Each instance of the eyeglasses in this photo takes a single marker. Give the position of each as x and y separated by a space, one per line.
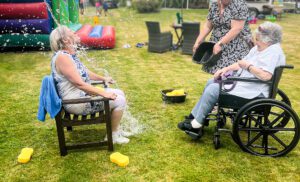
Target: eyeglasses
263 31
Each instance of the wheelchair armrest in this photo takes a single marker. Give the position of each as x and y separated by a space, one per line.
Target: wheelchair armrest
244 79
287 66
97 82
84 100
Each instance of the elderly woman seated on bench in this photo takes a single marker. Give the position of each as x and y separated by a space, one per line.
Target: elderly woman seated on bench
73 81
260 62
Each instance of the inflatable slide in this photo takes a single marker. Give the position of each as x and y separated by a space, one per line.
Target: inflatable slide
28 24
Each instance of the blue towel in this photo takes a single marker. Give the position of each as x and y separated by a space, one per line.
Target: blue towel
49 99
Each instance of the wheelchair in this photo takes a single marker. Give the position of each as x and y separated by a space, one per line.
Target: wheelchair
260 126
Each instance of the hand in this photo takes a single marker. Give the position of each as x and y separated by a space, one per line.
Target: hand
196 45
219 73
217 48
243 64
109 95
109 80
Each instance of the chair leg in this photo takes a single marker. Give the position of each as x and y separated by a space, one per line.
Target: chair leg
108 126
69 128
61 138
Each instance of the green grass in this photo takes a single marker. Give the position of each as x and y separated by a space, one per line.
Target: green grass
161 152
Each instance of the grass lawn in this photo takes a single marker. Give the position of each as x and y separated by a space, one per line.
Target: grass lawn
161 152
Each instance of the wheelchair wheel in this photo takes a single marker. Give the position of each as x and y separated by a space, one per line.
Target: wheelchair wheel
262 134
216 141
281 96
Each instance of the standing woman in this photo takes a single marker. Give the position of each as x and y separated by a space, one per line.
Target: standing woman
227 19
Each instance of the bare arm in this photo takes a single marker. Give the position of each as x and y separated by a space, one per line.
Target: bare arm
260 74
94 76
222 71
236 27
257 72
66 67
203 34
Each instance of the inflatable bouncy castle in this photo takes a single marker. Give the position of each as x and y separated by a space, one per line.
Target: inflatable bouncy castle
24 23
28 23
98 35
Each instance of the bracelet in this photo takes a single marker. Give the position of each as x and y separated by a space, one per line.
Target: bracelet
220 44
248 68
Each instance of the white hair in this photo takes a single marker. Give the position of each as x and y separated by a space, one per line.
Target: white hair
270 33
57 36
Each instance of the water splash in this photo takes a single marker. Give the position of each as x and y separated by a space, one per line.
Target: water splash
129 122
51 13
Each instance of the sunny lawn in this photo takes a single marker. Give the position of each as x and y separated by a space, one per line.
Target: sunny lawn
161 152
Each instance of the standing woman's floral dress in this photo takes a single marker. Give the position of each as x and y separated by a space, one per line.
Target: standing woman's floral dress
237 48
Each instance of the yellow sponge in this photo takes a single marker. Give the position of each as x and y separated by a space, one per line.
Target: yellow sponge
178 92
119 159
25 155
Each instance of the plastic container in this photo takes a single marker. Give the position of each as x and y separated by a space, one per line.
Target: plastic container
204 54
172 99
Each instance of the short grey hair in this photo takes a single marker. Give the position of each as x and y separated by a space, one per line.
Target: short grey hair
270 33
56 38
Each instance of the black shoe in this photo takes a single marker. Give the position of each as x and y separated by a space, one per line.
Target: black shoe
184 125
189 116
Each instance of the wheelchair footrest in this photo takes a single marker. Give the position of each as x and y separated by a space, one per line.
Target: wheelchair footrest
195 135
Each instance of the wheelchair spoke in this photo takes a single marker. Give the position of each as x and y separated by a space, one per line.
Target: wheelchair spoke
249 132
274 113
254 139
282 129
278 140
266 115
254 119
249 129
265 143
277 119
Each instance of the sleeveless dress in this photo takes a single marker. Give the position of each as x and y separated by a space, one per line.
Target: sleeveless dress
67 90
237 48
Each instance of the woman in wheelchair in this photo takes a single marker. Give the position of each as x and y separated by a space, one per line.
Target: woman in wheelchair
260 62
73 80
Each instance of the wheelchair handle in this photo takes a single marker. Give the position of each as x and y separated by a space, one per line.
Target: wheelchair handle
288 66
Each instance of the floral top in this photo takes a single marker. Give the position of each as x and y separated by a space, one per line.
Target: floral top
67 90
237 48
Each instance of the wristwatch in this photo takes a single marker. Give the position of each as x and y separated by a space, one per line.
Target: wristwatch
220 44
